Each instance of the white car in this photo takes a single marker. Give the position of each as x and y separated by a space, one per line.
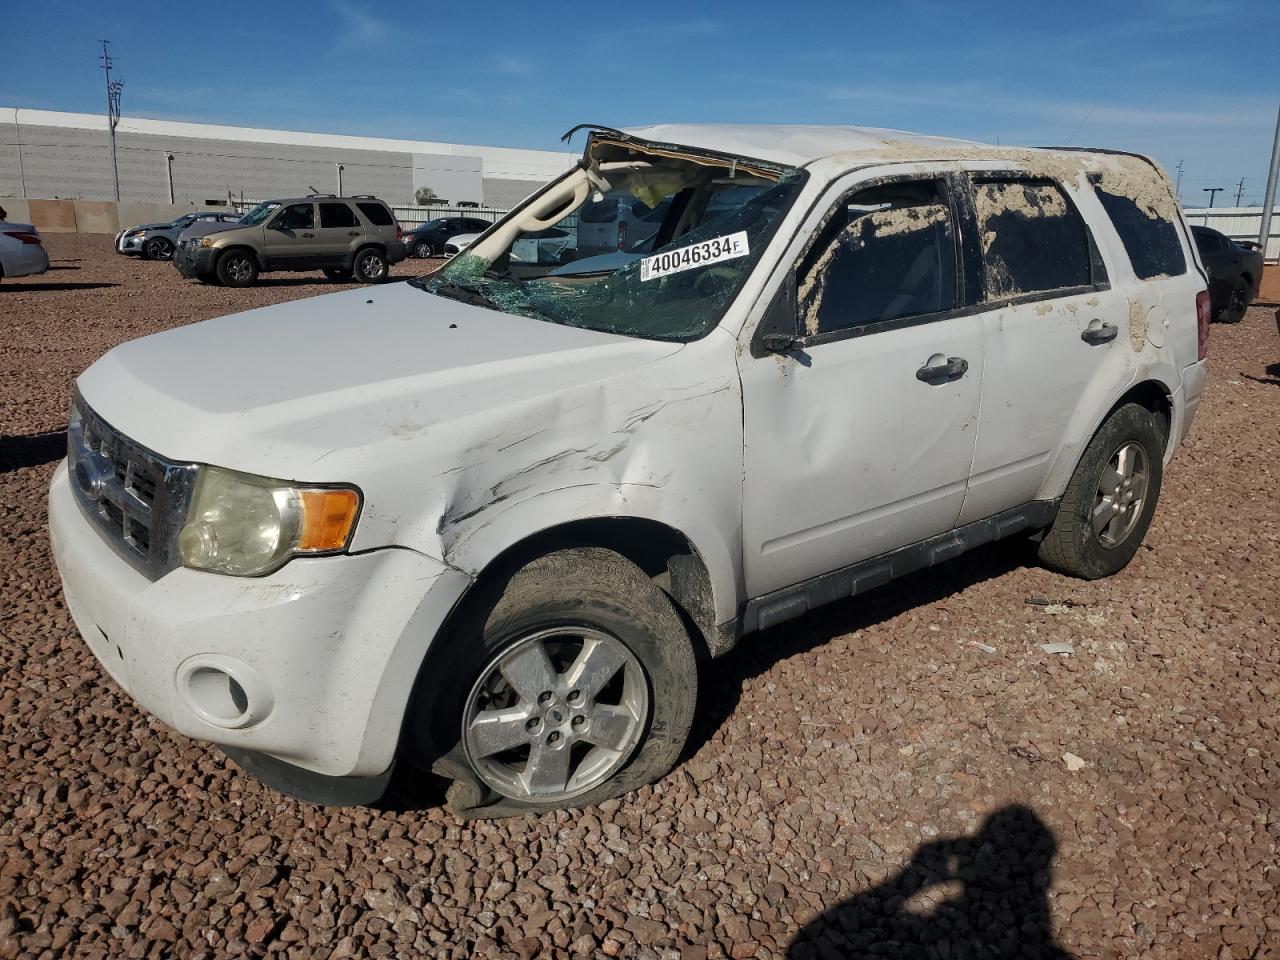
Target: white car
500 532
455 245
22 253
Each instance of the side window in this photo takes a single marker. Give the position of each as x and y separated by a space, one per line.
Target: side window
1032 238
297 216
887 252
1145 224
337 215
378 215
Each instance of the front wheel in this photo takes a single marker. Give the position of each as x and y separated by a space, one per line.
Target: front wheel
237 268
370 266
157 248
572 682
1111 498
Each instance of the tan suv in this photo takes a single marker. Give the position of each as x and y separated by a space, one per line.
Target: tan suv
346 237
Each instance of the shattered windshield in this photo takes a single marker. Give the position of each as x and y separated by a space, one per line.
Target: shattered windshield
647 246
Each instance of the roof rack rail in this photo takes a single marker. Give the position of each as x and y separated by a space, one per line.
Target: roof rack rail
363 196
322 195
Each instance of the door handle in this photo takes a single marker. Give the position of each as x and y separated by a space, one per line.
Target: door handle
1098 333
353 233
941 369
308 234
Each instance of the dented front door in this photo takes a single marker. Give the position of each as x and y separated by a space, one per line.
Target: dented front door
859 440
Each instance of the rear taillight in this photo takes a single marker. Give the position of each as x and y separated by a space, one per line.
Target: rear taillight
399 232
622 235
1202 322
31 238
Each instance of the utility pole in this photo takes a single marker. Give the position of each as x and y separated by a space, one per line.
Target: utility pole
340 167
1239 191
168 162
1269 198
1177 187
114 89
1212 192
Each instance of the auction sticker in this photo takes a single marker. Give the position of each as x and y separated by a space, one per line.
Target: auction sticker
698 255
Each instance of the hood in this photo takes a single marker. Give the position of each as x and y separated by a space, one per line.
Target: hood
274 390
202 228
148 226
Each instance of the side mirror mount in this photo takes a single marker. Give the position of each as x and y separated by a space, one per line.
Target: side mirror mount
778 342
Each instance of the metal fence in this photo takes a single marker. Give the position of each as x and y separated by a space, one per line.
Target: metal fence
1239 223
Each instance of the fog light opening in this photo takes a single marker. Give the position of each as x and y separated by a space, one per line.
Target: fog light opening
217 694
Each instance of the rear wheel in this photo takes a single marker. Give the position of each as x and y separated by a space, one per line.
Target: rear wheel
370 266
1111 498
237 268
422 249
1237 302
572 682
157 248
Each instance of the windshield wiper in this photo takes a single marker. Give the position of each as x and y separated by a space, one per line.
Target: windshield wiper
455 291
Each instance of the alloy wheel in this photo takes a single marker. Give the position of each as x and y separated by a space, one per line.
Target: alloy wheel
1121 494
556 714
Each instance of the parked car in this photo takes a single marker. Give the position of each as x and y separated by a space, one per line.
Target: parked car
614 220
22 252
456 245
346 237
494 522
428 239
157 241
1235 272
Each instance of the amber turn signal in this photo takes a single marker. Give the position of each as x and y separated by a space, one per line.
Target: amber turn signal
328 517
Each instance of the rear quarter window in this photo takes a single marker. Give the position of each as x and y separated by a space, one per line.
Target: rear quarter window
377 214
1145 226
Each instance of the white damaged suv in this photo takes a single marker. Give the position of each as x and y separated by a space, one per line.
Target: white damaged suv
494 521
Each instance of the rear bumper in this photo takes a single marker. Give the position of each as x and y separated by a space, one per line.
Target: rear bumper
396 251
26 260
1193 378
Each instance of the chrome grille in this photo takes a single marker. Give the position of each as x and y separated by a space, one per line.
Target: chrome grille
135 498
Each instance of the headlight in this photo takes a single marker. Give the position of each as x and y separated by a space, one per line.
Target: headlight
140 234
206 241
247 526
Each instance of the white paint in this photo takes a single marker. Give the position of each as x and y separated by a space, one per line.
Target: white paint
468 429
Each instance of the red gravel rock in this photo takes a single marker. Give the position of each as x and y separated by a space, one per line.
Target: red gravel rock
801 825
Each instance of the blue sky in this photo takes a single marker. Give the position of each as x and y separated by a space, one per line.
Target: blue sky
1180 80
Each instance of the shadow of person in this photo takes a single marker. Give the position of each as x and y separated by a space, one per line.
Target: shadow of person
959 898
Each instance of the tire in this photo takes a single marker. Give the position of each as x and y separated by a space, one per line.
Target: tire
237 268
370 265
338 274
559 603
1074 545
157 248
1237 302
422 249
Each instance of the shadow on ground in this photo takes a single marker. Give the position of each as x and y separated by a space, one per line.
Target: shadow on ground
959 897
8 287
34 450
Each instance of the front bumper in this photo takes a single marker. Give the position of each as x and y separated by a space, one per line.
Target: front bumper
192 260
131 246
325 651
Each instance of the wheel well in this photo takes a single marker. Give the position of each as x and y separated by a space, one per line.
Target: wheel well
663 553
1155 397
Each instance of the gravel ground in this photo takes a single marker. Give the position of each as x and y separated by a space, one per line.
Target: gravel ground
908 768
